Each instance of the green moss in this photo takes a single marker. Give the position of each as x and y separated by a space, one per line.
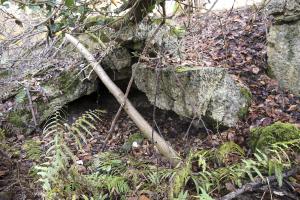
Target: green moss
243 112
19 118
68 82
247 94
5 73
270 72
181 69
263 137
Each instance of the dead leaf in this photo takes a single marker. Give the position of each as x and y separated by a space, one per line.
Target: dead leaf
3 172
143 197
230 187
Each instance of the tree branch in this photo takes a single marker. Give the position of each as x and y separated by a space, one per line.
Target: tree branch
251 186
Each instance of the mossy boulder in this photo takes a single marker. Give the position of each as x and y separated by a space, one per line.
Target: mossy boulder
56 91
263 137
195 92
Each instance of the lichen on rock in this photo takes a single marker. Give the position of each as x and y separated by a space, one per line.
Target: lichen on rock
283 44
194 92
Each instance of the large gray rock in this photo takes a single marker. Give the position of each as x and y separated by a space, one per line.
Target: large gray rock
161 39
284 44
189 92
284 55
284 10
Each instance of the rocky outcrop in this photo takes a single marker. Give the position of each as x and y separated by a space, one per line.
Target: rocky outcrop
160 38
117 63
283 44
195 92
284 10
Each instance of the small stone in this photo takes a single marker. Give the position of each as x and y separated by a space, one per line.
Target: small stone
79 162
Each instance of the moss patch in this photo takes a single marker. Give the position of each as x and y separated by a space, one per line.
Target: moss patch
181 69
243 112
247 94
5 73
263 137
270 72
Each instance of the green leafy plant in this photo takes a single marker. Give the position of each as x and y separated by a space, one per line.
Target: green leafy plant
271 160
263 137
33 149
228 149
61 170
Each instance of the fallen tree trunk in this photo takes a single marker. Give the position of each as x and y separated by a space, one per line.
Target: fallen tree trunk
163 147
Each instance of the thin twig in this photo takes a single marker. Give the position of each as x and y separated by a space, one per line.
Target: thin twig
30 105
253 185
110 131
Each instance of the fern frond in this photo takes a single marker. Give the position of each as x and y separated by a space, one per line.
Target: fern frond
227 149
33 149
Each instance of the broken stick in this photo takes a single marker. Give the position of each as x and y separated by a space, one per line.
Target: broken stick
163 147
251 186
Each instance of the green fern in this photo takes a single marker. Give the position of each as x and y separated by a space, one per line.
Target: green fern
20 97
108 163
60 153
227 149
272 160
33 149
183 195
2 135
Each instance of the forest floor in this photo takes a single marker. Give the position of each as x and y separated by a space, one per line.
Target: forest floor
235 40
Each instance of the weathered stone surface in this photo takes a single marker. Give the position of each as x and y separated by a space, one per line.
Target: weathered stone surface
284 55
50 91
118 63
284 44
189 92
117 59
284 10
162 38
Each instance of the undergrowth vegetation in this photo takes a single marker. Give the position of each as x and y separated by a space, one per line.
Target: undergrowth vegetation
111 175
